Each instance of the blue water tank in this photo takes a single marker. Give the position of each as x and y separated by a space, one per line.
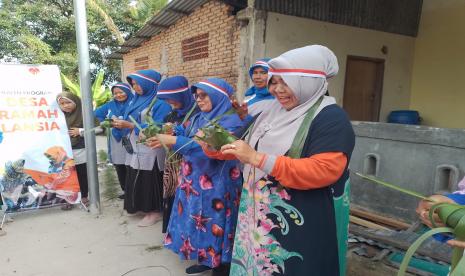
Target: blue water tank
409 117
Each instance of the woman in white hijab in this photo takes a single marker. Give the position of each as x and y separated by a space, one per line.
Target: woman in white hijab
296 161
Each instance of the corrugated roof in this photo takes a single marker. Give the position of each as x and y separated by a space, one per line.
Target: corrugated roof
166 17
393 16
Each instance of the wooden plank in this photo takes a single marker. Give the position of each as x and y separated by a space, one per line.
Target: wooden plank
397 240
379 219
367 223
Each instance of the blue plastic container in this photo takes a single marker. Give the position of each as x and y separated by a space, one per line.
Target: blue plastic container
409 117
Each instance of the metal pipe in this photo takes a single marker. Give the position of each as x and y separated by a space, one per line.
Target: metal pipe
87 110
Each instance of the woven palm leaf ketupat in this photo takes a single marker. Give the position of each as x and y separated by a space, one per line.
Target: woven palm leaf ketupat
450 214
216 136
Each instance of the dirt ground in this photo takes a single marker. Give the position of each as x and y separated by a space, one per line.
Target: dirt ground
55 242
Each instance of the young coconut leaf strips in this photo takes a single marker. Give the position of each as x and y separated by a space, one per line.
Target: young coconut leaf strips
450 214
216 136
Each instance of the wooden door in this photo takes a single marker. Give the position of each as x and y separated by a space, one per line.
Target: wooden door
363 88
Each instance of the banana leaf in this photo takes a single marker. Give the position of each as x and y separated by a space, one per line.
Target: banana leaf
97 85
451 214
152 129
73 88
100 93
216 136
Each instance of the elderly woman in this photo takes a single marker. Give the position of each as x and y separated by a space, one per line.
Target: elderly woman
114 109
258 96
204 216
144 177
296 160
177 93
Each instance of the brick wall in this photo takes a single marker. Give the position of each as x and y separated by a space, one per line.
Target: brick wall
164 51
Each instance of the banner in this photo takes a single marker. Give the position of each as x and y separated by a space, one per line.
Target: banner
36 160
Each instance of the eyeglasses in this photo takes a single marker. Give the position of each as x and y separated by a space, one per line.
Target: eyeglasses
200 96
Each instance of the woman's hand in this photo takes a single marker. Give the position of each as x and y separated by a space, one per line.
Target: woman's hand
241 109
153 143
202 143
160 140
117 123
456 243
424 206
245 153
73 132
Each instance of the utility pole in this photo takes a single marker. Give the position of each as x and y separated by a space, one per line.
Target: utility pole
88 112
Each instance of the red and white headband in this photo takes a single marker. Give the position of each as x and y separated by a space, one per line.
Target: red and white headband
144 77
215 87
298 72
261 63
179 90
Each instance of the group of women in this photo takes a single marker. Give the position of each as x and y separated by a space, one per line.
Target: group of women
262 205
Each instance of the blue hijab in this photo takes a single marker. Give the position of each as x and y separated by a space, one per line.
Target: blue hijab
259 93
148 80
218 91
177 89
115 108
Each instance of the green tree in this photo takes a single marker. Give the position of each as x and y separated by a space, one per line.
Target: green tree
42 32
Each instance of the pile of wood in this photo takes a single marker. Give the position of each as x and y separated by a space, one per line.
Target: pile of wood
375 221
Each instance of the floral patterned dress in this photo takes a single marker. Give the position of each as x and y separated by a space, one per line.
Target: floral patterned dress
284 231
204 213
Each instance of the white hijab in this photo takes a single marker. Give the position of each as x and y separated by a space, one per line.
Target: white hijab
305 70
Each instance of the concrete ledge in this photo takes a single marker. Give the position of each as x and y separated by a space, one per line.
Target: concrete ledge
411 133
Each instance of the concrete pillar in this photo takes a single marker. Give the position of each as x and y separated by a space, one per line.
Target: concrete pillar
252 44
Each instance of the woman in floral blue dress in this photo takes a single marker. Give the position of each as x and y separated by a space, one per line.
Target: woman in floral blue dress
204 214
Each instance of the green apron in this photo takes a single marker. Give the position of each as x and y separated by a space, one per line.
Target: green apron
342 210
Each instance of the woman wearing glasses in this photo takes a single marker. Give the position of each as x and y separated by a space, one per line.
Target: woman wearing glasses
204 214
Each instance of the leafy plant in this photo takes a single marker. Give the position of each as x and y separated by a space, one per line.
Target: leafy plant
111 187
102 156
100 93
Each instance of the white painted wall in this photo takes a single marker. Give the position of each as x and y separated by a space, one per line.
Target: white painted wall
285 32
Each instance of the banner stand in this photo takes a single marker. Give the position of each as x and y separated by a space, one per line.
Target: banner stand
7 213
37 165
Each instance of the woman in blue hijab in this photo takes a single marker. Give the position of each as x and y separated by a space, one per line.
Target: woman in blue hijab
257 96
144 183
205 207
122 96
176 92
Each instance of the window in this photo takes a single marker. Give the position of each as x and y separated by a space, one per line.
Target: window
195 47
141 63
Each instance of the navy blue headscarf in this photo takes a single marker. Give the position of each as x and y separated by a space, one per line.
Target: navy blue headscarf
177 89
148 80
218 91
259 93
115 108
